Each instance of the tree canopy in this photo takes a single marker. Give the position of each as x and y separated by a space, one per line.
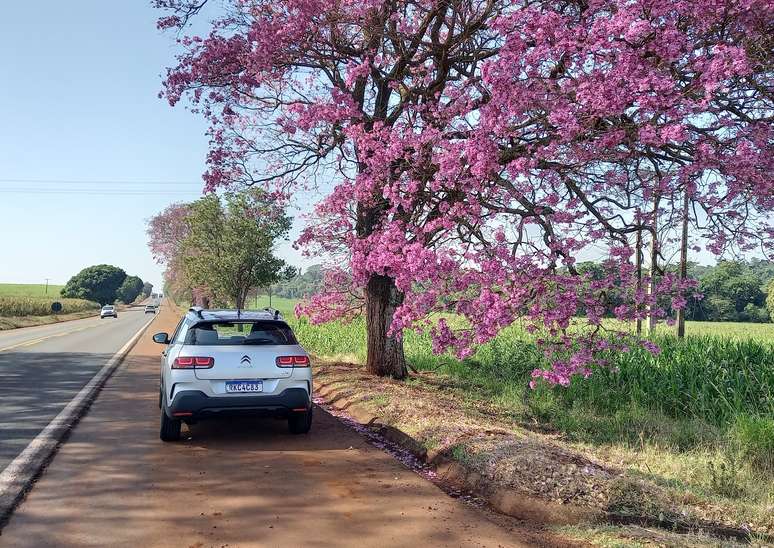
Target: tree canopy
479 147
147 289
98 283
220 248
130 289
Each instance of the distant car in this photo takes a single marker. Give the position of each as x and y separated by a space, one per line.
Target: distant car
150 309
221 363
108 311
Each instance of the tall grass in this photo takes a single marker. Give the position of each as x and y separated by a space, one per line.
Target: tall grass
708 380
41 306
711 378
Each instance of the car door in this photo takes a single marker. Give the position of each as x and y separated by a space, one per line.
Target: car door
170 352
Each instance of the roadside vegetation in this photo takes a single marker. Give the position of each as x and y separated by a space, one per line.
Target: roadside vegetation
476 150
41 306
217 249
104 284
696 419
25 305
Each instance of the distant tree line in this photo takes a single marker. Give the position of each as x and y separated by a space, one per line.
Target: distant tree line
304 284
105 284
731 291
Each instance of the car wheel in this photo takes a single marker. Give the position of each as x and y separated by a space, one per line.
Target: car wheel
170 428
300 423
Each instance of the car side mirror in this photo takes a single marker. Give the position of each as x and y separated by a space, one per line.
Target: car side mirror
161 338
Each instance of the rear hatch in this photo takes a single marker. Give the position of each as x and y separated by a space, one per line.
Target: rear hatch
242 349
244 361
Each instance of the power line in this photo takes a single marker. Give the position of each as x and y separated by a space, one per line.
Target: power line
96 182
98 192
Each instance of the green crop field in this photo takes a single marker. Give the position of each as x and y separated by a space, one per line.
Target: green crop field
25 300
29 290
694 392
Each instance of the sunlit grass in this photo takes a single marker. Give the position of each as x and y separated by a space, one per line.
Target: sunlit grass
29 290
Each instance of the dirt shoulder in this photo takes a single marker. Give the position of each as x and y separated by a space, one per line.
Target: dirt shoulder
237 483
521 473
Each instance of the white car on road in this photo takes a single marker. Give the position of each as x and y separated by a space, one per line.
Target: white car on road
108 311
222 363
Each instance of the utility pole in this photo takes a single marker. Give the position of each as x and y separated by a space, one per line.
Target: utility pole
654 251
683 262
47 279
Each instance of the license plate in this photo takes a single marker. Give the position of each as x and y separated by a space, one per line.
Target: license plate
244 386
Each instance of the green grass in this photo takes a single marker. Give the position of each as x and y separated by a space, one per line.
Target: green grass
690 394
22 300
697 418
285 306
710 389
29 290
731 330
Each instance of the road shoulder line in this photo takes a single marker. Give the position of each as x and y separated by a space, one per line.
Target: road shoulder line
17 478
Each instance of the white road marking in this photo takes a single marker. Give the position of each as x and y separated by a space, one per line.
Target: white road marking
16 477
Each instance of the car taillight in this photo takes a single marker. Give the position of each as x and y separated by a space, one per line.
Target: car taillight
193 362
293 361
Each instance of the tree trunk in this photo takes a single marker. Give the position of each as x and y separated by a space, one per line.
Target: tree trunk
638 266
683 263
385 353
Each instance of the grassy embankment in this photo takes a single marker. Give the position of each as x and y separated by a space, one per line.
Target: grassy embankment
24 305
698 417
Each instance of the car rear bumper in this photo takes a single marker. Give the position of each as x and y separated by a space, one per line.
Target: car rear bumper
194 404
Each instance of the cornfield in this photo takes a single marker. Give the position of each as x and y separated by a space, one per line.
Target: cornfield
41 306
713 378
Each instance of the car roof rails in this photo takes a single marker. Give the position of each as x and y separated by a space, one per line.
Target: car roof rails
277 315
197 310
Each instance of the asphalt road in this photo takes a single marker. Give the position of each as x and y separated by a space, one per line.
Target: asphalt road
235 483
42 368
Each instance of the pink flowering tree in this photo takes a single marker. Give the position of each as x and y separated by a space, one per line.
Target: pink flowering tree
167 232
473 150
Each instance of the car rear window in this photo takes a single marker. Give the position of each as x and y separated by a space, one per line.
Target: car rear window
240 333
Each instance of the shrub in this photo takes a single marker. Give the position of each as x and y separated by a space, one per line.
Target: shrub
725 475
754 436
97 283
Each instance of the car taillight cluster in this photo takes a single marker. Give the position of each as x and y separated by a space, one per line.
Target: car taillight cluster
195 362
293 361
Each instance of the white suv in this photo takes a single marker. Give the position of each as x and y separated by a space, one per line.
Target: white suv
222 363
108 311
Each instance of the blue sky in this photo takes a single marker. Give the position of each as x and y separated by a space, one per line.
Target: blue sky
78 103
